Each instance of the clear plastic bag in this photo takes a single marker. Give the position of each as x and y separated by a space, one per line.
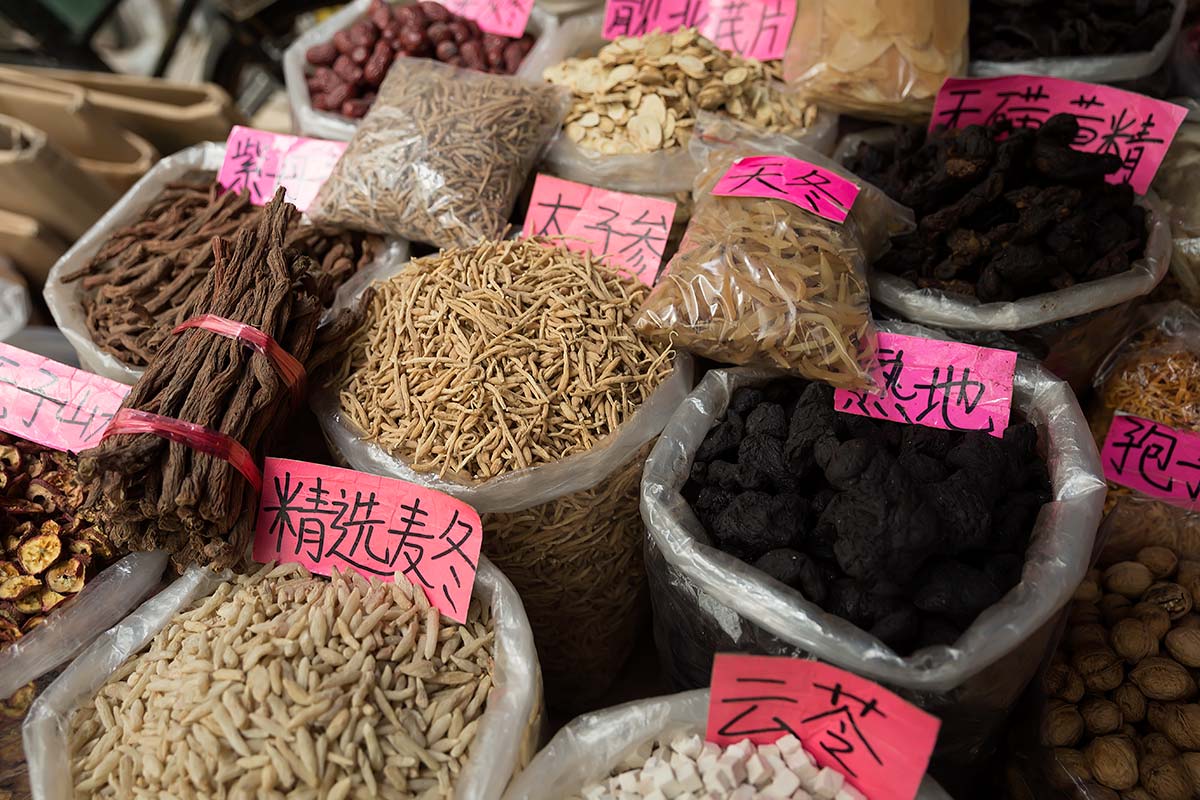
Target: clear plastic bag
706 601
308 121
1176 186
14 301
763 282
508 731
66 299
881 59
661 172
1091 69
442 154
591 745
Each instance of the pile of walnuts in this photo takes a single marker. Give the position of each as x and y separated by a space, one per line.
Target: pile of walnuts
1122 715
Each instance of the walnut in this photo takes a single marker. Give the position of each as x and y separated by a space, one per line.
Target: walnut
1062 726
1087 592
1088 633
1132 640
1192 620
1191 768
1165 778
1155 616
1184 646
1131 702
1060 681
1100 668
1083 613
1161 561
1100 716
1136 793
1128 578
1157 743
1187 570
1163 679
1114 607
1179 721
1067 768
1113 762
1174 598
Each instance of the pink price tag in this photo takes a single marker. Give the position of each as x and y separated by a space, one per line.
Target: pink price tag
261 162
52 404
1154 459
949 385
628 229
326 517
879 742
755 28
824 193
1137 128
501 17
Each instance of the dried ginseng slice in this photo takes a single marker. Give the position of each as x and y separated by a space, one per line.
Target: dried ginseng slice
851 53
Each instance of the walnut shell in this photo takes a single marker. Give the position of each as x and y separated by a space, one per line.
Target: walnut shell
1087 592
1100 668
1136 793
1113 762
1174 598
1100 716
1163 679
1187 570
1165 778
1191 768
1156 743
1180 722
1060 681
1062 725
1114 607
1128 578
1081 636
1131 701
1184 646
1155 617
1067 768
1161 561
1083 613
1132 640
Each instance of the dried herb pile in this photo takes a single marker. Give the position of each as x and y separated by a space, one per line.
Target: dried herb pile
1005 219
158 495
138 285
1015 30
907 532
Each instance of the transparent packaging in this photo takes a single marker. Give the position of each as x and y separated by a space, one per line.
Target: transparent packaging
1176 186
14 300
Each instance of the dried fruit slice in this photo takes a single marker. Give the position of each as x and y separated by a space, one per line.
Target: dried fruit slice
8 569
29 604
68 576
31 623
17 587
9 632
50 599
35 555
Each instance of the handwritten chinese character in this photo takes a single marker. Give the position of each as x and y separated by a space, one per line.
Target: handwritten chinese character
250 173
941 397
1154 447
842 741
454 549
891 365
551 226
631 17
758 692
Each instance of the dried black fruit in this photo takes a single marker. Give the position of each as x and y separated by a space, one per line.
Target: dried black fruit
1016 30
768 419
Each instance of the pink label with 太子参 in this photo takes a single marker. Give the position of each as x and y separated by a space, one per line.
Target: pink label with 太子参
260 162
755 28
628 230
52 404
327 517
812 188
949 385
1154 459
501 17
1136 128
879 742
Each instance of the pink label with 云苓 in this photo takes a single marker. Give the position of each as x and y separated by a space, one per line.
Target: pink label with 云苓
628 230
1136 128
52 404
812 188
949 385
327 517
501 17
1154 459
260 162
755 28
879 742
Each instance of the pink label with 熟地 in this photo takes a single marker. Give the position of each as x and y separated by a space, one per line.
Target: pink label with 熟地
821 191
628 230
259 162
950 385
1136 128
1154 459
52 404
755 28
501 17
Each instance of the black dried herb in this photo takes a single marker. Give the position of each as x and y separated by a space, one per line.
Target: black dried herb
1015 30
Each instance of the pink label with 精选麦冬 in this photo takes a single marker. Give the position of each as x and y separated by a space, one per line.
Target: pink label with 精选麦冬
259 162
501 17
52 404
1154 459
1136 128
330 518
812 188
758 29
628 230
950 385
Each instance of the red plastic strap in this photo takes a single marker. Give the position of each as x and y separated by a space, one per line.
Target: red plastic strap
291 370
197 437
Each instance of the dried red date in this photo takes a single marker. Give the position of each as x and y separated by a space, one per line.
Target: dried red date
435 12
377 66
439 32
338 95
347 70
343 42
513 56
321 55
320 101
363 34
360 55
355 108
446 51
414 40
380 16
459 31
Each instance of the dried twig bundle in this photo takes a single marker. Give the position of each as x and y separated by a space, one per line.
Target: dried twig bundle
283 683
156 494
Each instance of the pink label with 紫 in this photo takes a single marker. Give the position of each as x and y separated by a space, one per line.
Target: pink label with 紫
1137 128
879 742
813 188
52 404
260 162
628 230
330 518
949 385
755 28
501 17
1154 459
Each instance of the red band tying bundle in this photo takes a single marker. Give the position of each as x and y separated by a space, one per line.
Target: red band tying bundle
291 370
197 437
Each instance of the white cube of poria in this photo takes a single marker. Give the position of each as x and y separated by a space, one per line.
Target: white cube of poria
827 783
594 792
638 756
709 748
706 761
689 746
801 762
735 764
743 793
767 750
848 792
783 785
800 794
741 750
628 781
721 779
688 777
654 795
758 771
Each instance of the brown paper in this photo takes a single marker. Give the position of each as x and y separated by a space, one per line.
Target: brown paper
30 245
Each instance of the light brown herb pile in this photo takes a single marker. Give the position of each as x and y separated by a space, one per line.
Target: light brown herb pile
284 684
479 361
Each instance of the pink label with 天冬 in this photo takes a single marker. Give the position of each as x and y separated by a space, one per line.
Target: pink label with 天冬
1136 128
949 385
327 517
52 404
879 742
628 230
1154 459
755 28
812 188
260 162
501 17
